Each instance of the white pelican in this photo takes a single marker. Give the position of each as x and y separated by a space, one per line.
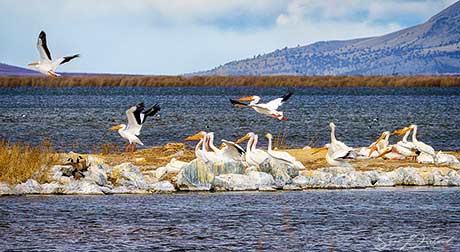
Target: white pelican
254 157
46 65
269 108
338 157
403 148
136 118
338 153
200 148
421 146
380 145
230 151
283 156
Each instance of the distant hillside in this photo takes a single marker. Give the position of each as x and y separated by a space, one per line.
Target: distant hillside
430 48
9 70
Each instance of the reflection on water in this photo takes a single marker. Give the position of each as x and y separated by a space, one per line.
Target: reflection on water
78 117
414 219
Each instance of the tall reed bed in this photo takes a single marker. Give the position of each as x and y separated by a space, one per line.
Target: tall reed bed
257 81
19 162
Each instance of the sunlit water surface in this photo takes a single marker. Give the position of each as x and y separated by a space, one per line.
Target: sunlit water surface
394 219
77 118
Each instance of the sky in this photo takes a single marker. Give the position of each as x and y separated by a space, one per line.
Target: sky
170 37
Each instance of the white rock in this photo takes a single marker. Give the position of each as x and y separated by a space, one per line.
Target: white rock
300 182
29 187
443 158
51 188
234 182
163 186
385 180
5 189
401 176
174 166
82 187
261 179
130 176
97 174
160 172
453 178
56 173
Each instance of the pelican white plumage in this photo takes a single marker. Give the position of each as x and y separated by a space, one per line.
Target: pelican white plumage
200 148
403 147
338 153
380 145
136 118
46 65
421 146
283 156
230 151
270 108
253 156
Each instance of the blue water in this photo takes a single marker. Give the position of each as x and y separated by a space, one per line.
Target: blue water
77 118
394 219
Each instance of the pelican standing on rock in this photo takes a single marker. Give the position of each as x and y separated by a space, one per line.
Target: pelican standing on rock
253 157
270 108
338 153
421 146
46 65
136 118
282 156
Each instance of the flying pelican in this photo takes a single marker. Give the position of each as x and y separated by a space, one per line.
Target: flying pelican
380 144
136 118
421 146
46 65
270 108
254 157
283 156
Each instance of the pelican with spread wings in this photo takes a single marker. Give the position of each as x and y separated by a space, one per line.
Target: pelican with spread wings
270 108
46 65
136 118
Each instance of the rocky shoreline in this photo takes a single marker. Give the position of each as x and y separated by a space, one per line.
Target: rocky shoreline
100 178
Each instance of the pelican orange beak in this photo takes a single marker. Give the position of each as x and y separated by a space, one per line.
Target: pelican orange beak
248 98
246 137
319 150
373 148
33 63
402 131
198 136
116 127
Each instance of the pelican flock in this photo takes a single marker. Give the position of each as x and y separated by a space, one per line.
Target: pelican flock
136 117
270 108
46 65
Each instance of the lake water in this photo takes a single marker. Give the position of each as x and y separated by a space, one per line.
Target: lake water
393 219
77 118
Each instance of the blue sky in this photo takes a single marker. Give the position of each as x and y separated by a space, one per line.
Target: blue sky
182 36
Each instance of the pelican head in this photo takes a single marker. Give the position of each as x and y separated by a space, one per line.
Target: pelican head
253 99
245 137
198 136
269 136
413 126
332 125
117 127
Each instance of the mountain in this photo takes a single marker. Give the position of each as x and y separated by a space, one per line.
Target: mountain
9 70
429 48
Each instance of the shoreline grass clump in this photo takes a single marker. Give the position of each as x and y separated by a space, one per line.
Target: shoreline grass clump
20 162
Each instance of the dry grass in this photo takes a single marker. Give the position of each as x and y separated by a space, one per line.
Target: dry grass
259 81
19 162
